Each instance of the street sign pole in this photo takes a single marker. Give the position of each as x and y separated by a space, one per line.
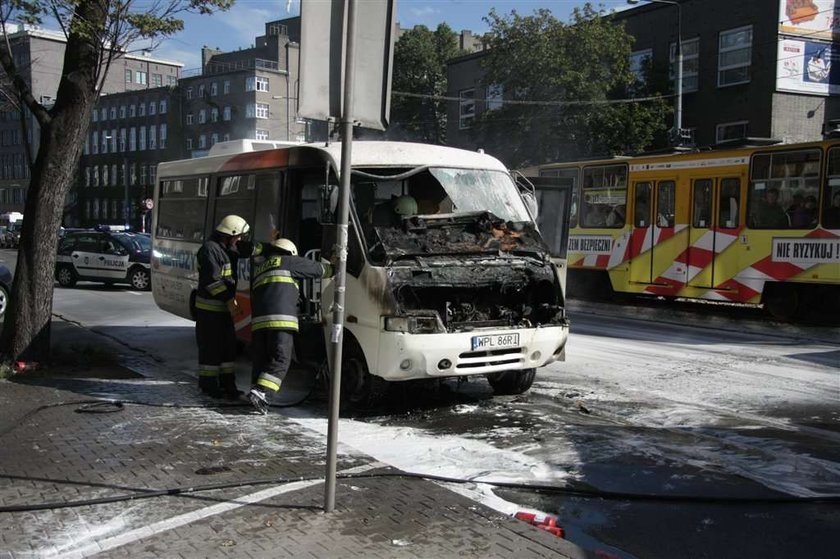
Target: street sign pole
337 334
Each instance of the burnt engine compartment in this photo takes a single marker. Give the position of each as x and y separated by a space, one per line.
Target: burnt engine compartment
476 293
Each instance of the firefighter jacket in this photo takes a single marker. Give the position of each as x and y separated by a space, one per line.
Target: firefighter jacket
217 275
274 288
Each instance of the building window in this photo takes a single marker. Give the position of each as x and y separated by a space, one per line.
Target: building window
170 80
114 175
189 93
214 89
202 116
731 130
142 77
129 77
122 111
142 138
95 175
262 134
142 174
691 64
214 138
638 63
466 108
132 111
260 110
226 113
153 137
201 91
214 115
734 56
94 142
162 107
103 114
157 80
95 115
123 136
255 83
152 174
202 141
132 139
113 140
152 108
162 143
141 109
189 119
104 141
495 94
227 87
189 143
105 175
133 174
226 137
87 176
113 113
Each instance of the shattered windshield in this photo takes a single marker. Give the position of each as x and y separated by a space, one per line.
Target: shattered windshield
435 210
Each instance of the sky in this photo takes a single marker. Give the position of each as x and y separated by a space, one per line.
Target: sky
238 27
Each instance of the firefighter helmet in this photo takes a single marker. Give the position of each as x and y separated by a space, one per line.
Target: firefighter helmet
405 206
233 225
286 245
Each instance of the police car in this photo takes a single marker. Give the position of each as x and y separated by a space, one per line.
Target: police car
105 255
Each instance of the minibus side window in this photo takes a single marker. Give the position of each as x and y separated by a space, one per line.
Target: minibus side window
182 207
235 196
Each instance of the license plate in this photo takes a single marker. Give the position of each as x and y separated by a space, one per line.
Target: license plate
495 341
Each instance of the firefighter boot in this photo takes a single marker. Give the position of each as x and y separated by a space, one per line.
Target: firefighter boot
257 398
209 385
227 387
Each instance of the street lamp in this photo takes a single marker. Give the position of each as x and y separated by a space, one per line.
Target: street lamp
676 133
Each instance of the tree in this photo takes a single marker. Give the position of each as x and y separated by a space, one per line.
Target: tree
560 84
420 58
97 32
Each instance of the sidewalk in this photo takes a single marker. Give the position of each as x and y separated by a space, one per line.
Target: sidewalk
58 455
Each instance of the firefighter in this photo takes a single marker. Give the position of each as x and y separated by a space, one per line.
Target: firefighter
274 302
216 308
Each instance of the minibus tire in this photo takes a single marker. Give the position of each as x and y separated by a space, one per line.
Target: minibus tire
359 388
509 383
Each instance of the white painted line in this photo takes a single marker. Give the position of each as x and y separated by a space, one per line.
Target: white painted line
131 536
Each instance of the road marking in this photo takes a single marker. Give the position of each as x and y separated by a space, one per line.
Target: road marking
113 542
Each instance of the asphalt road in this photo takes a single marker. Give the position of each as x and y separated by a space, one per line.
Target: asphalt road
646 403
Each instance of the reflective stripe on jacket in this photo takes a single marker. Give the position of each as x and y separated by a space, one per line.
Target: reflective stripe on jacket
274 289
216 276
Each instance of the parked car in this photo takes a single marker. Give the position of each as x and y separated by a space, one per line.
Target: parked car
109 257
5 288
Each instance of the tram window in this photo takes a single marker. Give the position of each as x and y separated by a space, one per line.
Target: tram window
665 203
730 201
182 206
641 207
831 195
784 188
235 196
604 196
702 208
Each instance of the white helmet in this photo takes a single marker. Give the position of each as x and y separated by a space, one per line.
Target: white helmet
286 245
405 206
233 225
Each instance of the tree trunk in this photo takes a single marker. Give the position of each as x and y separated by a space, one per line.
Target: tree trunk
26 332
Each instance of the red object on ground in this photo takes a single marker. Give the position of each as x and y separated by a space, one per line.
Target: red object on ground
542 521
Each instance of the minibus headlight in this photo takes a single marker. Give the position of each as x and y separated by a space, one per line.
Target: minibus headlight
413 324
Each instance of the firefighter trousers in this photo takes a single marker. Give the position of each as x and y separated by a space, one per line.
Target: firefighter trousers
215 335
272 350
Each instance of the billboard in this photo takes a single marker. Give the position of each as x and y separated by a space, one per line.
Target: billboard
814 19
808 67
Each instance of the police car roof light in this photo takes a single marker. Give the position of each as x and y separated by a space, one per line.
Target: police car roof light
114 228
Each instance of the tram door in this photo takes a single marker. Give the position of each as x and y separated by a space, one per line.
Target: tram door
654 207
713 226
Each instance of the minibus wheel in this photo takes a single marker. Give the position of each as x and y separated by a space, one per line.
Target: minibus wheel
359 388
512 382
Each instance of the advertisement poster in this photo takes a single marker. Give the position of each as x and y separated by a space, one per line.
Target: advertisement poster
815 19
808 67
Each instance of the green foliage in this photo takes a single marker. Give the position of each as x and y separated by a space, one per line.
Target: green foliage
565 76
420 68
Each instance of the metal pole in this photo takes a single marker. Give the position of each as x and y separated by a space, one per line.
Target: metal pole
126 212
679 79
337 334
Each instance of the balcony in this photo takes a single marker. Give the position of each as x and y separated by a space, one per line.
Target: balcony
213 68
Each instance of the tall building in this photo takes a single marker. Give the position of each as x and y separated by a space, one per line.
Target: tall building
753 68
243 94
39 56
